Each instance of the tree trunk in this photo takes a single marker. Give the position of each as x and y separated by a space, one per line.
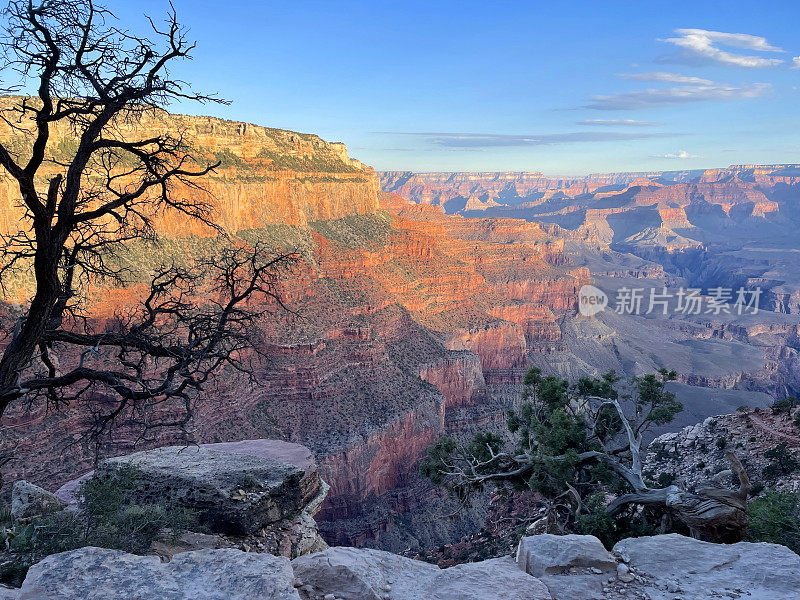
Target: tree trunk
712 513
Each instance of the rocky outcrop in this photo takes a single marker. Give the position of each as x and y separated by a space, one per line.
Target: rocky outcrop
349 573
682 567
696 453
340 573
263 494
571 566
28 501
232 493
664 567
100 574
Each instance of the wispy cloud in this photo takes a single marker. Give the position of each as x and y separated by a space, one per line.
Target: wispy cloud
667 78
796 62
684 94
700 45
617 123
495 140
680 154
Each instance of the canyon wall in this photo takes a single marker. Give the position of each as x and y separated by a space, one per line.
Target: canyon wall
408 323
266 176
393 343
441 188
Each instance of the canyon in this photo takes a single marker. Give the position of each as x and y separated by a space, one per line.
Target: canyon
740 221
413 318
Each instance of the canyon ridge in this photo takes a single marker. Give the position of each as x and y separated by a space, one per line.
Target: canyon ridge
420 300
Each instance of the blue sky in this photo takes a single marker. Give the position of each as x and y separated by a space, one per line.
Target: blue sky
564 87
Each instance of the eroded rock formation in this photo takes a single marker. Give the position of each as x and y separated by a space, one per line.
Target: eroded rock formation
412 323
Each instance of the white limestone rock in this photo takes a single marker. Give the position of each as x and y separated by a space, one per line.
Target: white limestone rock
364 574
28 500
549 554
7 593
101 574
701 570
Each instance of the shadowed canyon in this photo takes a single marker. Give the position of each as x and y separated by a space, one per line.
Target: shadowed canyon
420 300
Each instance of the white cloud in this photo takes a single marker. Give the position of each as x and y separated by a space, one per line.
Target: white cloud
494 140
667 77
701 44
796 62
680 154
684 94
618 123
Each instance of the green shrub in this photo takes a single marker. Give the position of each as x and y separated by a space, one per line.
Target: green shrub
665 479
784 406
721 442
107 518
775 518
30 543
597 522
783 461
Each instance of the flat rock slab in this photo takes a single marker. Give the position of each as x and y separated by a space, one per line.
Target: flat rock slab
364 574
100 574
693 570
231 492
286 452
548 554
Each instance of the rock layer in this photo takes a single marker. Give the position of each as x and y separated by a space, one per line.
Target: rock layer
232 493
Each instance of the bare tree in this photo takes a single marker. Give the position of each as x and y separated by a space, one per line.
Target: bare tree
85 202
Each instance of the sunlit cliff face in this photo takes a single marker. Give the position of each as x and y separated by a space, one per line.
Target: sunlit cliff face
410 323
402 316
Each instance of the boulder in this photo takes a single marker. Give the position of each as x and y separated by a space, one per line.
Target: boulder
572 586
364 574
7 593
497 578
235 493
694 570
549 554
358 573
100 574
28 500
70 491
287 452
